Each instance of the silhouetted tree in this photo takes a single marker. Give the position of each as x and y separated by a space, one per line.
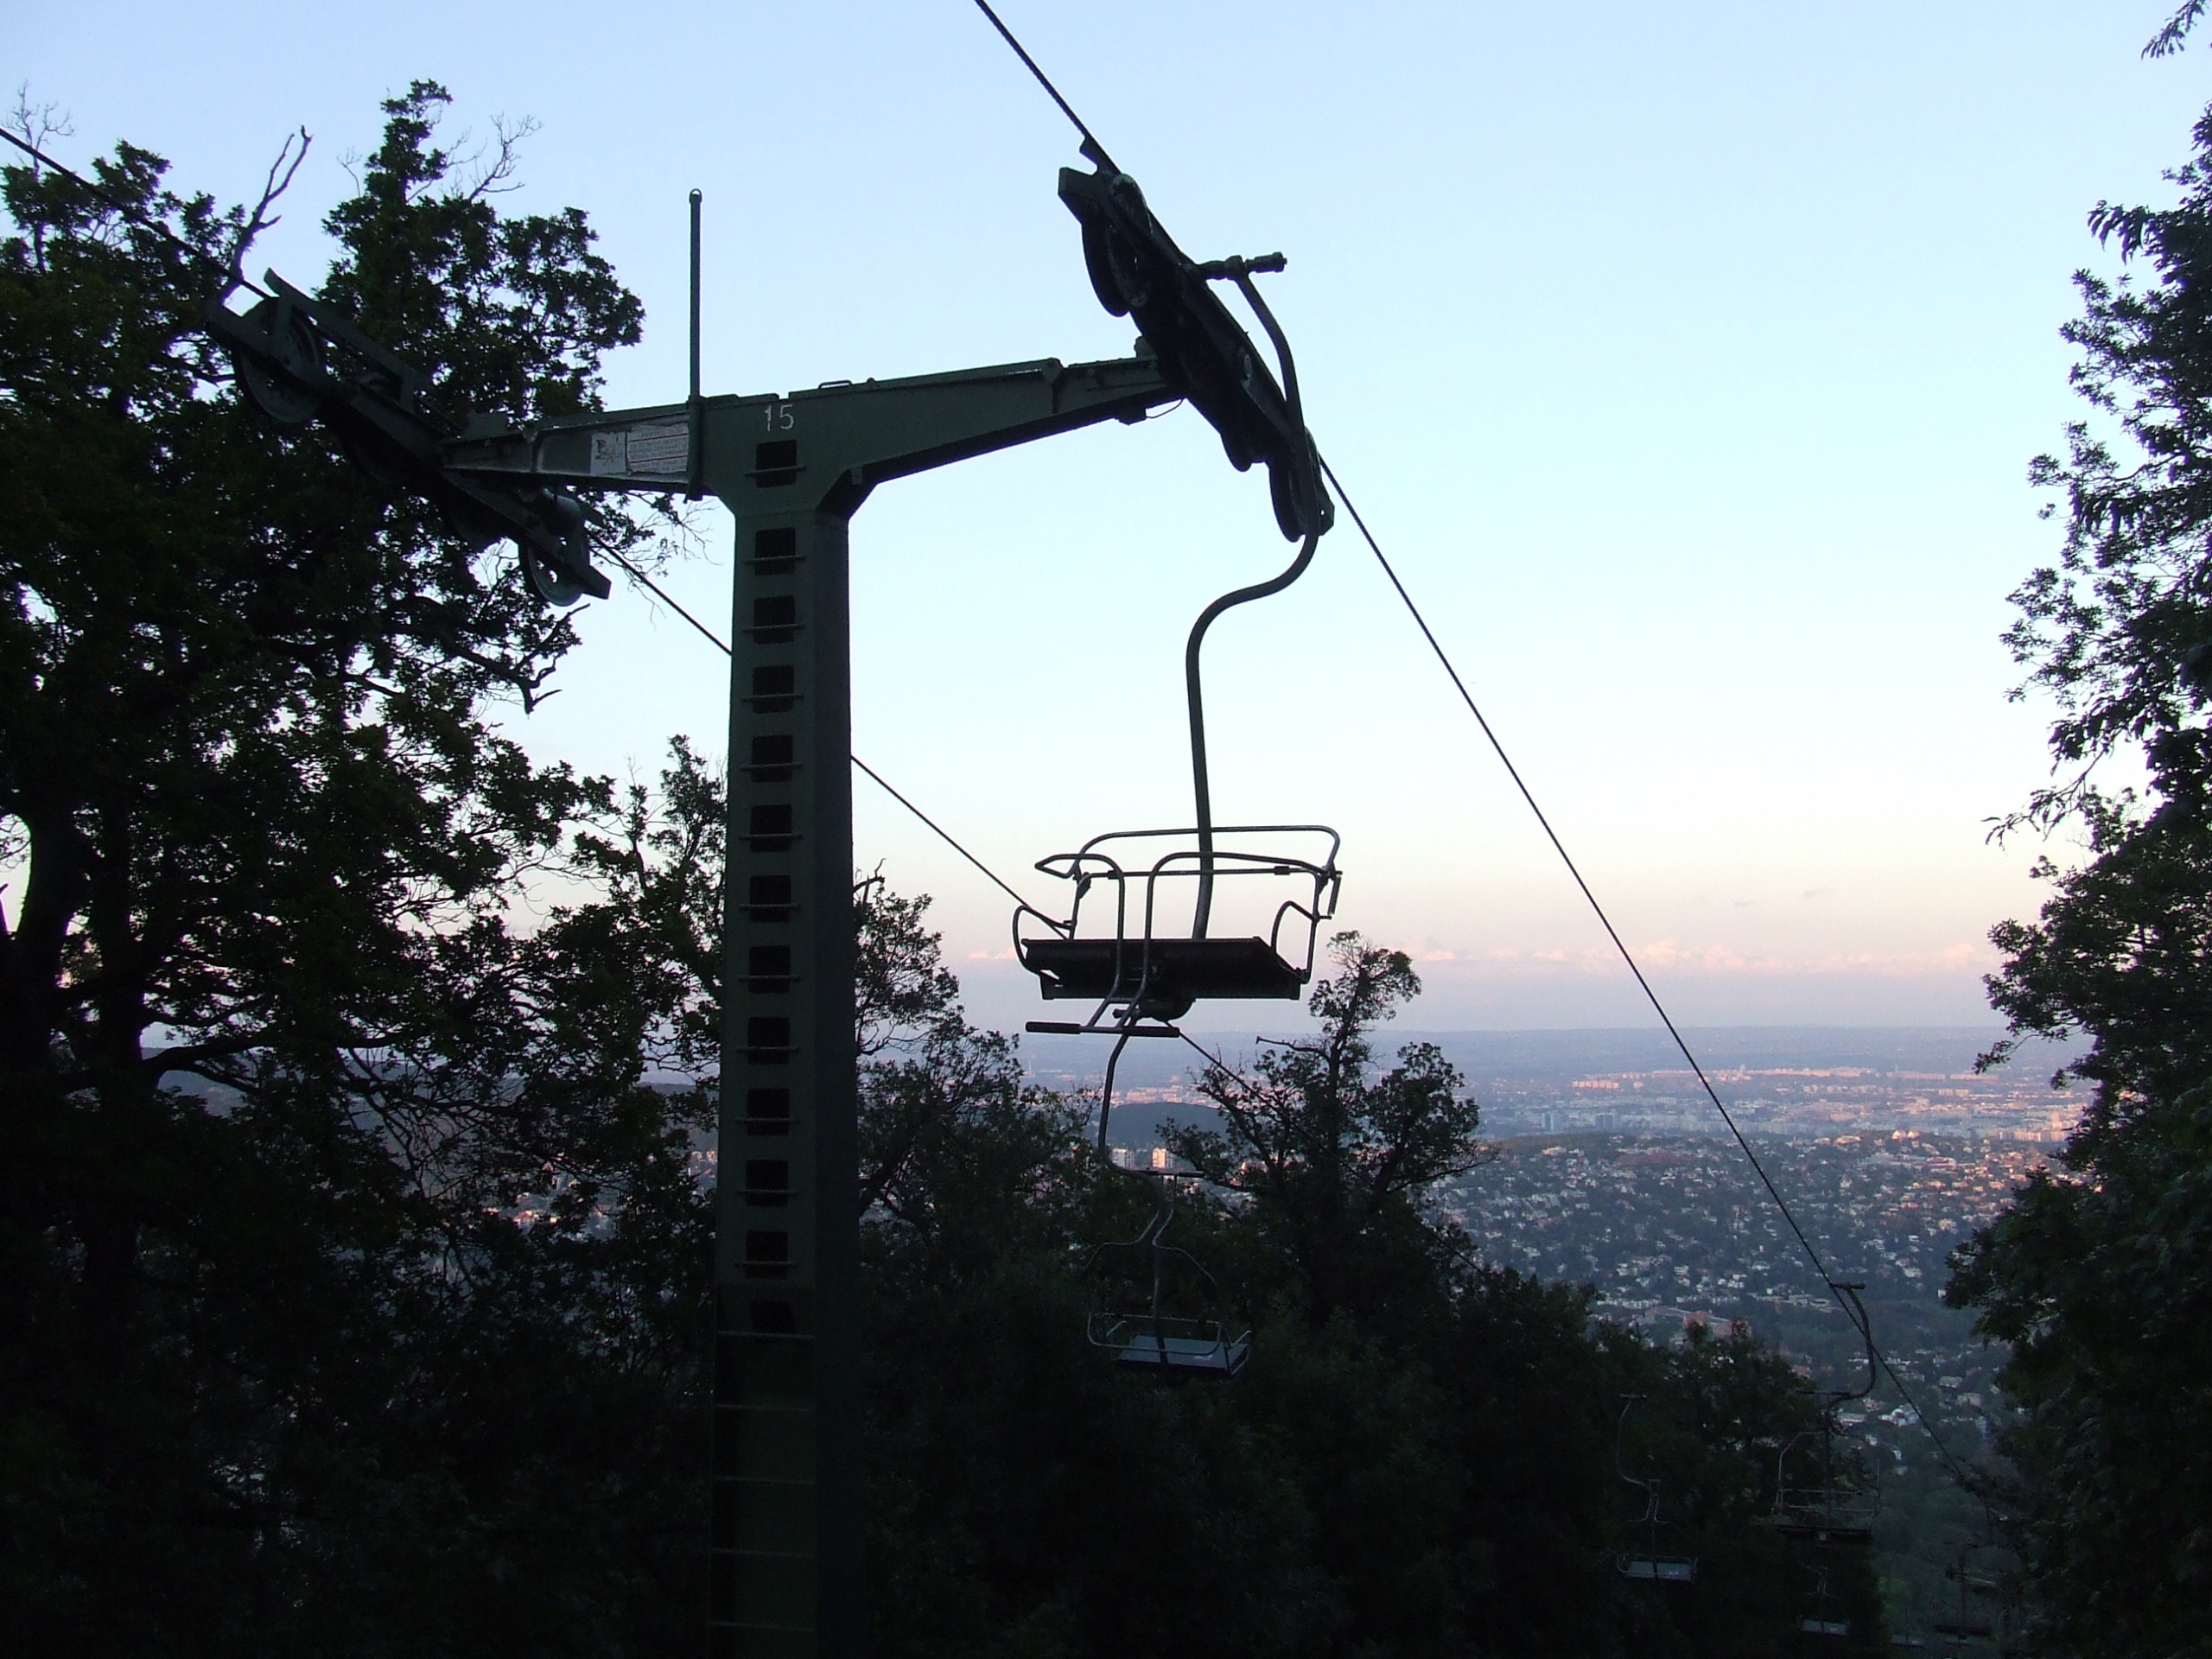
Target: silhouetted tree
329 1317
1335 1159
2099 1274
355 1267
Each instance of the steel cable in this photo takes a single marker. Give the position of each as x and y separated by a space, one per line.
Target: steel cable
1852 1309
716 641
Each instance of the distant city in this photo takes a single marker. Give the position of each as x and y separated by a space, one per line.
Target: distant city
1796 1082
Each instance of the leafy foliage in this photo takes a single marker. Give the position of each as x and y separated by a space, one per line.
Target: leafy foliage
1343 1160
278 1085
2174 32
1419 1458
2100 1286
2099 1274
2120 631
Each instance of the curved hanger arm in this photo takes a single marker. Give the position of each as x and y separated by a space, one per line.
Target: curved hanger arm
1201 785
1864 1322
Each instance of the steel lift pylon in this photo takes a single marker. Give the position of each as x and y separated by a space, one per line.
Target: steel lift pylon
787 1526
787 1517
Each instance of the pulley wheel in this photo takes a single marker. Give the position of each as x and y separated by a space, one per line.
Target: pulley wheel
1290 517
1105 275
284 388
556 587
563 577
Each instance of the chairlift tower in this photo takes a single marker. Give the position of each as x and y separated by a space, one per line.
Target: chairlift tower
787 1518
786 1528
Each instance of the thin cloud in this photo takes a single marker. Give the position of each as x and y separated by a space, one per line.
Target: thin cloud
1680 960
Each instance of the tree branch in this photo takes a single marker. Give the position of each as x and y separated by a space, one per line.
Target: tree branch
185 1057
2168 39
282 172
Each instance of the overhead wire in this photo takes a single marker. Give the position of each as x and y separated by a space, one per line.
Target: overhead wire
665 598
1043 79
636 574
100 192
942 833
1836 1286
1627 957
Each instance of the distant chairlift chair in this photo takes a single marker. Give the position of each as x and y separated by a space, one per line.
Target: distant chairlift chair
1142 978
1198 1342
1828 1512
1817 1623
1648 1565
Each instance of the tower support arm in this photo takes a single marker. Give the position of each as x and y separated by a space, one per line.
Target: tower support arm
823 449
613 450
882 429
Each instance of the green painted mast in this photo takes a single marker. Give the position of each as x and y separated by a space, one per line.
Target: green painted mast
787 1522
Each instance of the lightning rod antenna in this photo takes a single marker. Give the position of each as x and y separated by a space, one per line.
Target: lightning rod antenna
695 293
694 444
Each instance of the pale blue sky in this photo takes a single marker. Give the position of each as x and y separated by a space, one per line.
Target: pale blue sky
1687 358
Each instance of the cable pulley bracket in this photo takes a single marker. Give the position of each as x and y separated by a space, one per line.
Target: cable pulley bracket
1137 270
283 350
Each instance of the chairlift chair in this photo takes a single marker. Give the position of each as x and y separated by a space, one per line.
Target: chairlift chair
1967 1627
1649 1564
1152 1338
1116 948
1818 1622
1825 1514
1828 1512
1658 1569
1143 972
1181 1347
1168 1343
